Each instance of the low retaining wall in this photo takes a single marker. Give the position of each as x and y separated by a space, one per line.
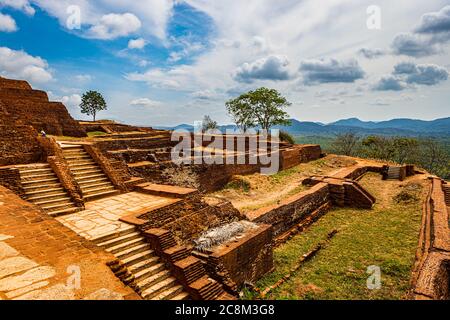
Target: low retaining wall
292 210
431 274
244 260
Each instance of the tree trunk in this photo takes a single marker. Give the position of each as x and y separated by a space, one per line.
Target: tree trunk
94 114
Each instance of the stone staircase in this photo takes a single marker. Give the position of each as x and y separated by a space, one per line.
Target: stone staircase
393 173
92 180
139 267
43 188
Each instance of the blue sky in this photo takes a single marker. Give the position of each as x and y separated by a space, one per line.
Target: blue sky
165 62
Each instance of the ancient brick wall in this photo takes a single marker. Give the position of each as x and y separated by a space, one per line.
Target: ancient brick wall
10 178
292 210
431 274
31 107
18 142
14 84
187 219
246 259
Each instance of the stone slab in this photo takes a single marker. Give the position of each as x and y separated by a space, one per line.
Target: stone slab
14 265
26 279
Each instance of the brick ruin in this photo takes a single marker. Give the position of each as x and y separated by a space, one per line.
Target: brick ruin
129 159
431 275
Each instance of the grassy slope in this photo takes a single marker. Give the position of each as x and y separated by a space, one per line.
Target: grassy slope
385 236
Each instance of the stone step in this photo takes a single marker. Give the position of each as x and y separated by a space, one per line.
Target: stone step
181 296
169 293
99 195
44 191
78 157
27 172
113 235
78 163
84 167
119 240
82 179
82 173
39 182
126 245
158 287
44 197
39 188
141 265
91 190
132 251
93 182
152 281
58 213
38 177
97 185
58 207
137 258
149 271
61 200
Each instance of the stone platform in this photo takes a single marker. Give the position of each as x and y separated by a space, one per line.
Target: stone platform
102 216
40 258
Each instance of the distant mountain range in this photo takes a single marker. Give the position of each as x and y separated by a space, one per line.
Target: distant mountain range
395 127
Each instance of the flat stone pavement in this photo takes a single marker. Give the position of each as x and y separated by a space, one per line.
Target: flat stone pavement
42 259
102 216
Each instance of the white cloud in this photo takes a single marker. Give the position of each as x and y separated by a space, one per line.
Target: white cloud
139 43
21 65
83 77
112 26
23 5
316 71
145 102
153 14
204 95
7 24
73 101
269 68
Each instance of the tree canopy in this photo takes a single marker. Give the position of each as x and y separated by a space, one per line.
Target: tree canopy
209 124
262 107
92 102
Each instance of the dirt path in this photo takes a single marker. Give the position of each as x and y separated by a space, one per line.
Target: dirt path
260 190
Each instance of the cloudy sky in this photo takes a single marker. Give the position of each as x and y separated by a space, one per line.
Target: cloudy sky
165 62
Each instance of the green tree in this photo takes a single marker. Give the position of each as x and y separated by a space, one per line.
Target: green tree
209 124
346 143
406 149
263 107
92 102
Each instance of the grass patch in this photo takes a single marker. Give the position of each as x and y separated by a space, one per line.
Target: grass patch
385 236
96 133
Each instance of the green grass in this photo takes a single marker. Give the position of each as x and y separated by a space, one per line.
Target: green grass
385 236
96 133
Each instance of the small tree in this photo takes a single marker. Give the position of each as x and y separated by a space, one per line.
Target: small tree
241 111
209 124
264 107
92 102
346 143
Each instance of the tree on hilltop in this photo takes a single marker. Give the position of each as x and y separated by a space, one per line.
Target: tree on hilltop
209 124
92 102
263 107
